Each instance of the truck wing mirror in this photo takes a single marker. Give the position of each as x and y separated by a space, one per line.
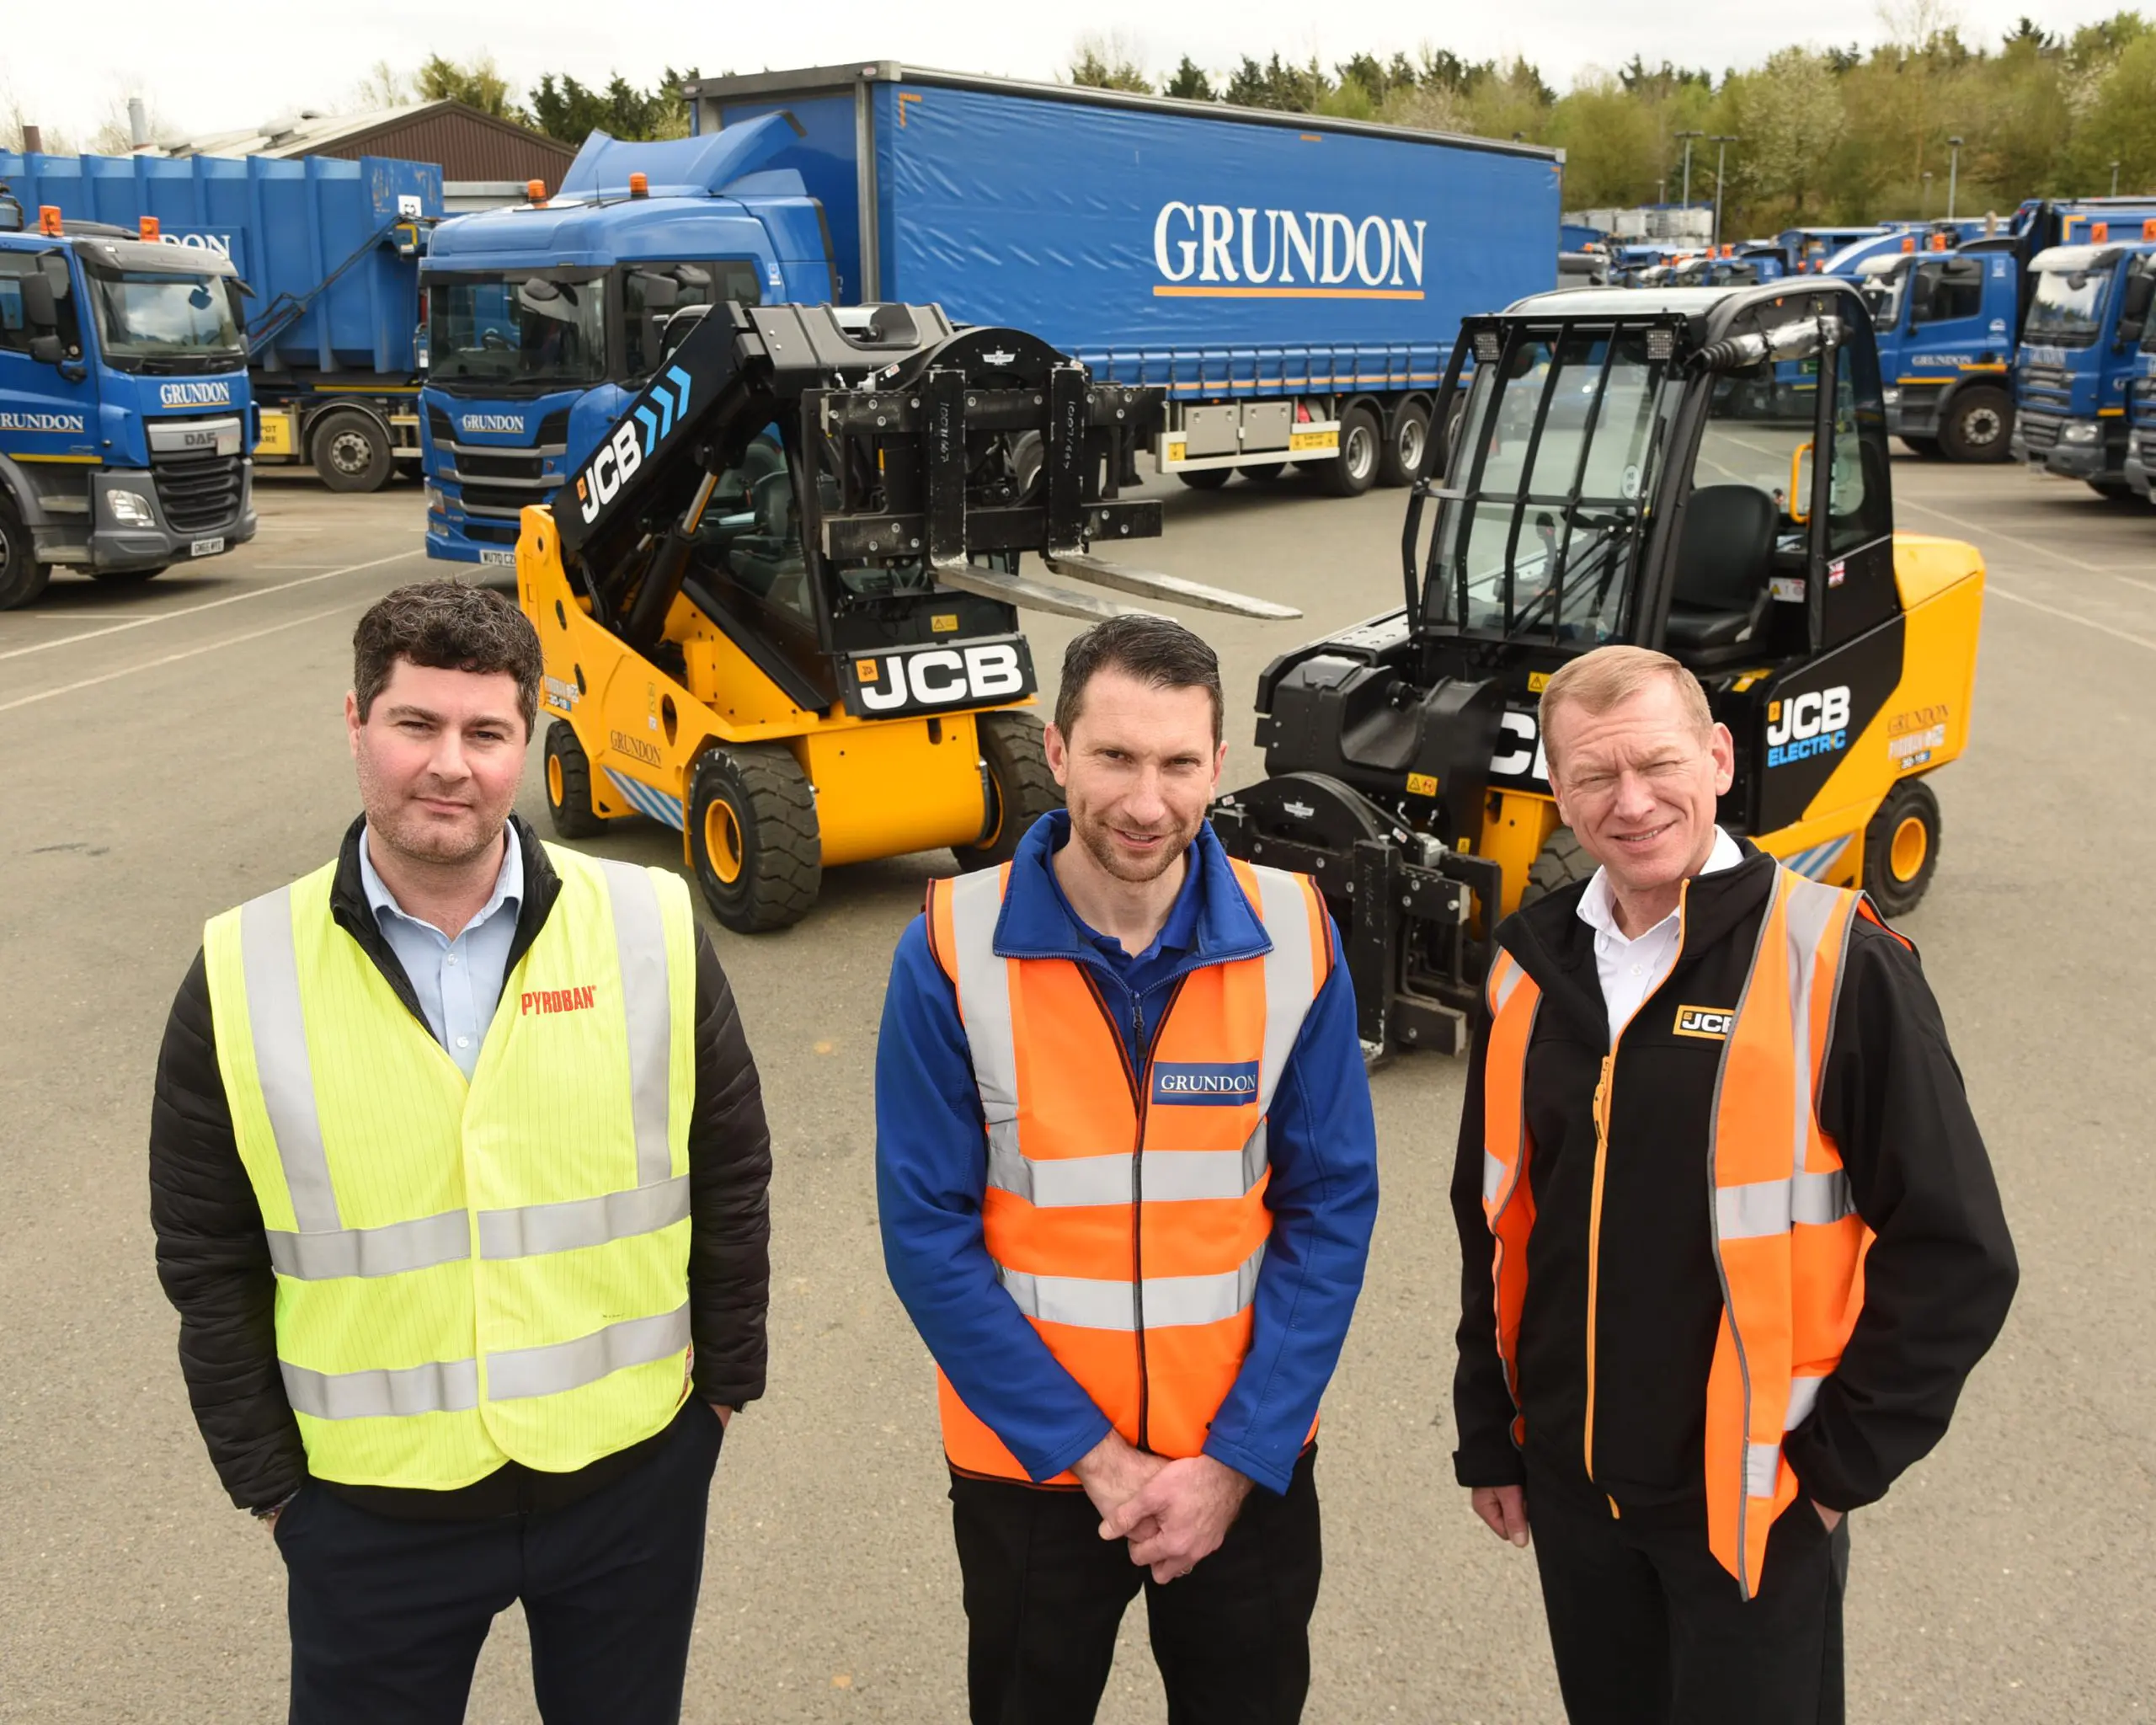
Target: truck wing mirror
47 351
661 293
53 268
40 310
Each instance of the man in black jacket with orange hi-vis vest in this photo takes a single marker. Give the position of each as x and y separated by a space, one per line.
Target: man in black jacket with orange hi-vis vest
1730 1240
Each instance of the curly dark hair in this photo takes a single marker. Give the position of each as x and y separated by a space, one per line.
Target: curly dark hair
1158 651
445 626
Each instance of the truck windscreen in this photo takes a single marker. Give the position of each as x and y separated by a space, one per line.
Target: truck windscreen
2068 307
519 333
154 321
1539 529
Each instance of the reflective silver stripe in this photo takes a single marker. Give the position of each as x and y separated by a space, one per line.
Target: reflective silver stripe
1502 984
984 1004
1810 907
1172 1176
1290 979
640 941
442 1387
1803 1393
373 1251
1763 1466
1170 1301
1178 1176
568 1365
539 1228
269 962
1493 1178
1768 1207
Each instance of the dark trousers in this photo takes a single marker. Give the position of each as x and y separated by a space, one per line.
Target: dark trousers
1648 1629
1044 1595
387 1617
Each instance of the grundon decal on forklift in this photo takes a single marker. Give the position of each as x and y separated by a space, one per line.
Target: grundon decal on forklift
664 405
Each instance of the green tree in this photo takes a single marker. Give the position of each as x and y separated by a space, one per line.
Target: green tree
1613 148
571 111
477 82
2118 125
1791 117
1190 82
1108 63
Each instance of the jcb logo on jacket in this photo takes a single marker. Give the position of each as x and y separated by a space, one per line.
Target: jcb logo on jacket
1125 1211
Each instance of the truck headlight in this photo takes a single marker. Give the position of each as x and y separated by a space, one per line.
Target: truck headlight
1892 397
130 509
2081 431
433 499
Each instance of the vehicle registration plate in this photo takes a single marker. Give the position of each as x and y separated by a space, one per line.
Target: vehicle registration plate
508 558
205 547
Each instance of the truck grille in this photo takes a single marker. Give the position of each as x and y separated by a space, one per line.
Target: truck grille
2039 430
199 492
2045 376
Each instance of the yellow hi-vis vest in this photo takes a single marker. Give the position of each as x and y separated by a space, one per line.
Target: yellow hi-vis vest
470 1274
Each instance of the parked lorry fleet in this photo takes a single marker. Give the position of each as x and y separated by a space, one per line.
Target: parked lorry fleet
124 403
327 252
1294 283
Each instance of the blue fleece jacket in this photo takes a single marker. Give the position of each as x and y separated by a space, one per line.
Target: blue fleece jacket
931 1167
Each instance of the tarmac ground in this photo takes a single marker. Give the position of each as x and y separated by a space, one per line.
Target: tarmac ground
178 748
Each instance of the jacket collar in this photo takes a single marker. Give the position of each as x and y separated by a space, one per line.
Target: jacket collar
1033 924
348 906
1555 946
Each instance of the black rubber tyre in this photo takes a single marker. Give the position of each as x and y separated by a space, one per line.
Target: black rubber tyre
350 450
1204 478
127 578
1563 860
1263 473
1901 848
1354 470
569 785
1020 787
753 837
22 578
1978 424
1927 448
1407 445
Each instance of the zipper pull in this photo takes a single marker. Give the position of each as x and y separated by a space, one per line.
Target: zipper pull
1602 1094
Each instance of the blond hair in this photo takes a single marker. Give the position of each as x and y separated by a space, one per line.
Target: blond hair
1599 680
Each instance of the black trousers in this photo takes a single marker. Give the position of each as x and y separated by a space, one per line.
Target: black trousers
387 1617
1045 1593
1648 1629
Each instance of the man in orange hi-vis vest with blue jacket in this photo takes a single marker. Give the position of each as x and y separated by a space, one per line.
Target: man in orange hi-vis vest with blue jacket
1127 1173
1731 1242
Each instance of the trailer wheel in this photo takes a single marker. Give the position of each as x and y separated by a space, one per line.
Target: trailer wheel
1020 789
569 785
753 837
1355 469
22 578
350 450
1977 427
1204 478
1562 862
1901 847
1407 446
1263 473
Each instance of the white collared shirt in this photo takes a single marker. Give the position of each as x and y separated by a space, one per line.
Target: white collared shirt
1631 971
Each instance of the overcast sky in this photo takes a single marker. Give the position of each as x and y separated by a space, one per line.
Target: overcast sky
216 65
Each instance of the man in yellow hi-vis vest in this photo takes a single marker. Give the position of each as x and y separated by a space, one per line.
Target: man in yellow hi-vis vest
1729 1239
458 1168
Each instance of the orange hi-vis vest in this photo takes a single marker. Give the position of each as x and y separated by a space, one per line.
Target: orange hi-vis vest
1125 1211
1787 1240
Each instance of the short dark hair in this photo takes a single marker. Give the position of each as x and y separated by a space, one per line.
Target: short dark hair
445 626
1158 651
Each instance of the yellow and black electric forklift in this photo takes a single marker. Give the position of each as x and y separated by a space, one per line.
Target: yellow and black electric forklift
778 605
1703 471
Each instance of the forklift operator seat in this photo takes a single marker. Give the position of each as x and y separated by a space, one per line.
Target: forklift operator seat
1723 565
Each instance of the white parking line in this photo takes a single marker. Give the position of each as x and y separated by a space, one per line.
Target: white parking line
1992 589
1966 526
165 617
114 676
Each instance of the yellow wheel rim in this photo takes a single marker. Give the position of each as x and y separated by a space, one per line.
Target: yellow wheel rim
554 794
1911 844
722 840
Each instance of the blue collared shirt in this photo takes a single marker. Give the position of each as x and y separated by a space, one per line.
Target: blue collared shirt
1148 977
459 982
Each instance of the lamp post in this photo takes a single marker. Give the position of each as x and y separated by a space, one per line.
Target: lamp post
2115 180
1925 210
1953 173
1688 136
1722 141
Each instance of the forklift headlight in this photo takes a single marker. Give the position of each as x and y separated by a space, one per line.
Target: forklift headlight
1892 397
2081 431
130 509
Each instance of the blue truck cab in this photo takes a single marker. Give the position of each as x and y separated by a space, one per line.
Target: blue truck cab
1946 324
126 418
2140 467
2079 357
544 320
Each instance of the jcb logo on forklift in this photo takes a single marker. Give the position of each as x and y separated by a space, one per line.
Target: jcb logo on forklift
1814 722
666 404
980 674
